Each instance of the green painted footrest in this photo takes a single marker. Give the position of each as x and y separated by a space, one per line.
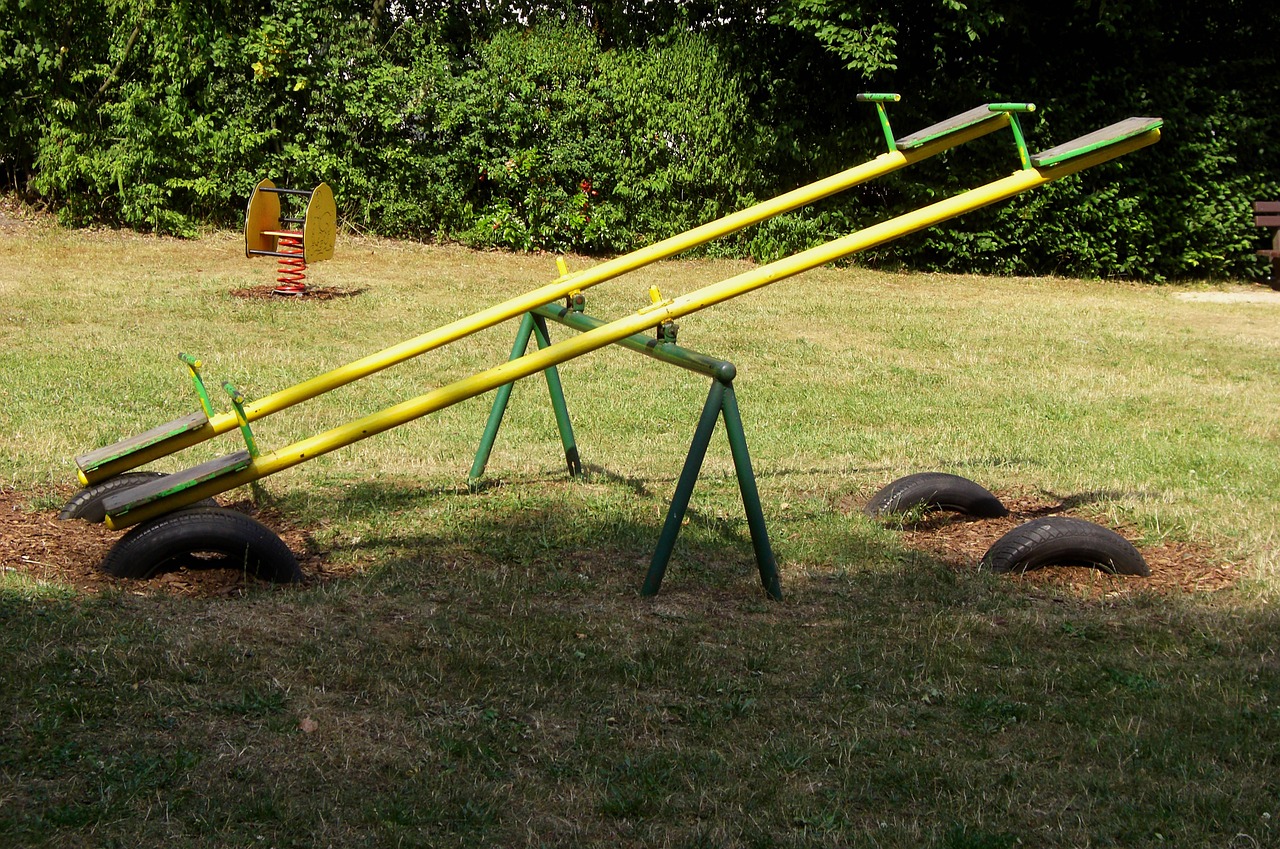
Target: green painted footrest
154 490
125 447
1098 139
963 121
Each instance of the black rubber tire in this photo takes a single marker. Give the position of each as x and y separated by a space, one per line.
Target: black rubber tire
202 538
935 491
1064 541
87 504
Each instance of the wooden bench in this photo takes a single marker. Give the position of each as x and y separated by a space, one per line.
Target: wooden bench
1266 213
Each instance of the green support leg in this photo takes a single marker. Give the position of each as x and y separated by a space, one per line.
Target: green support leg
765 561
529 326
558 403
499 405
684 489
720 400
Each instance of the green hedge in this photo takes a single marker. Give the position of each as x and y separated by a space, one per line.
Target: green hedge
601 132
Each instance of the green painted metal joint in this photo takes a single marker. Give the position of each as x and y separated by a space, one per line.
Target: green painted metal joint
658 349
1016 128
193 365
237 403
880 100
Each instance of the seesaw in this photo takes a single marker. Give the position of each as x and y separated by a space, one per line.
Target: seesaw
161 506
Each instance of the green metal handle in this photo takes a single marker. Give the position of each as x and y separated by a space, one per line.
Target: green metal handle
237 403
871 97
1018 139
880 100
193 365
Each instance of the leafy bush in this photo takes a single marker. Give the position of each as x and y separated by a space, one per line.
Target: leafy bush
540 126
1178 210
558 144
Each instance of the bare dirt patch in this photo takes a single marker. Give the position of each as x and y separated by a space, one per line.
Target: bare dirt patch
1244 296
313 293
67 553
17 217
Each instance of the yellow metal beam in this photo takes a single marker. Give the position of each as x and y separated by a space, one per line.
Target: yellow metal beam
650 316
563 286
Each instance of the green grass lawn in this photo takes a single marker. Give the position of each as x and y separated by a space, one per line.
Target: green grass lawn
484 672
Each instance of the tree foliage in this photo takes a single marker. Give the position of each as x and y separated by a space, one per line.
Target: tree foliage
1209 68
585 126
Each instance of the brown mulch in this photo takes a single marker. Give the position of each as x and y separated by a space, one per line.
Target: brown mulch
961 541
313 293
67 553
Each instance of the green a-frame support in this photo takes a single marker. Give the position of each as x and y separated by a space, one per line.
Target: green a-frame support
722 403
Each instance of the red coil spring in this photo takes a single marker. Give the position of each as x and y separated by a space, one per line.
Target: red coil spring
292 269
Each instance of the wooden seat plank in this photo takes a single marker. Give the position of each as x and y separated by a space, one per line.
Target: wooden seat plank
963 121
123 448
154 490
1098 139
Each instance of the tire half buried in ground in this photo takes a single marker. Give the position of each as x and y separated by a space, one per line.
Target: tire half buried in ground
89 503
1064 541
935 491
202 538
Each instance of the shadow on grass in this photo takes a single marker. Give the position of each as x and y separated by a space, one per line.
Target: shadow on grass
605 524
556 532
548 529
497 656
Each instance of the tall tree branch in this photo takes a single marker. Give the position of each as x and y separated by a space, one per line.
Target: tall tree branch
115 72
